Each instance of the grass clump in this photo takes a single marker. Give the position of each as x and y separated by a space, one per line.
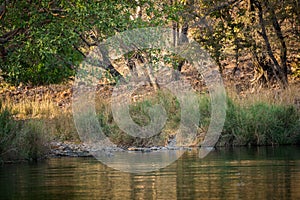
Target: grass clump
247 122
261 124
139 112
58 122
20 139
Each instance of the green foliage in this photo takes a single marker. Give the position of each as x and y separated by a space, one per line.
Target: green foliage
8 129
261 124
51 36
32 141
44 42
20 140
139 114
42 50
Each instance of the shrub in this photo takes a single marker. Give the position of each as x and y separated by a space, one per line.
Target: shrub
139 112
8 131
260 124
32 141
20 140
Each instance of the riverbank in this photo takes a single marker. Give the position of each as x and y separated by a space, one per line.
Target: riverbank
33 119
72 149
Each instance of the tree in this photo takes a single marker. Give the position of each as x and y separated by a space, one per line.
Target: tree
279 69
42 41
267 30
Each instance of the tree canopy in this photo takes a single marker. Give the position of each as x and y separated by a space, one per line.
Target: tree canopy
43 41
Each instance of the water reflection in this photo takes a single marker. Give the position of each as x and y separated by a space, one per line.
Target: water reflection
243 173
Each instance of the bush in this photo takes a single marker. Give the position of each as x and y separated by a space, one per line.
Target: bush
260 124
8 131
20 140
36 74
32 141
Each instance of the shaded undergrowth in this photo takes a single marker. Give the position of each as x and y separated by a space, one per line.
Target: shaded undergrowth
21 139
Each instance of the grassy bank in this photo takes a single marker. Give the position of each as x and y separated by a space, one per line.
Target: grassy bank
21 139
258 119
262 118
255 120
261 124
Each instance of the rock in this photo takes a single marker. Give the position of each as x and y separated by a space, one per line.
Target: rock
173 148
71 149
171 141
146 150
132 149
154 148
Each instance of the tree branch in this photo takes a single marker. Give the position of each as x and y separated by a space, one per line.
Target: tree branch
2 10
85 40
7 36
77 49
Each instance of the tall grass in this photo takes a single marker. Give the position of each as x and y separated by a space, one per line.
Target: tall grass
20 139
57 122
249 120
266 118
261 123
139 113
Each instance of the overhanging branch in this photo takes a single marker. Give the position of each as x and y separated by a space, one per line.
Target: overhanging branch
7 36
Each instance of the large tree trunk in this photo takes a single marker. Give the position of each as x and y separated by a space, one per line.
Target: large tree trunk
276 68
138 64
283 49
106 64
183 39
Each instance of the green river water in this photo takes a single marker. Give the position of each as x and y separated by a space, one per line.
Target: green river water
239 173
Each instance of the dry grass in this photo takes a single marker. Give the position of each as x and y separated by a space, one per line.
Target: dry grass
27 109
278 97
57 122
59 125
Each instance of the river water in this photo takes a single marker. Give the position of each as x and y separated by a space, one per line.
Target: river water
239 173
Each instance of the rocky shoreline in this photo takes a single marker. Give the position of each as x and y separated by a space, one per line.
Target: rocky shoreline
71 149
